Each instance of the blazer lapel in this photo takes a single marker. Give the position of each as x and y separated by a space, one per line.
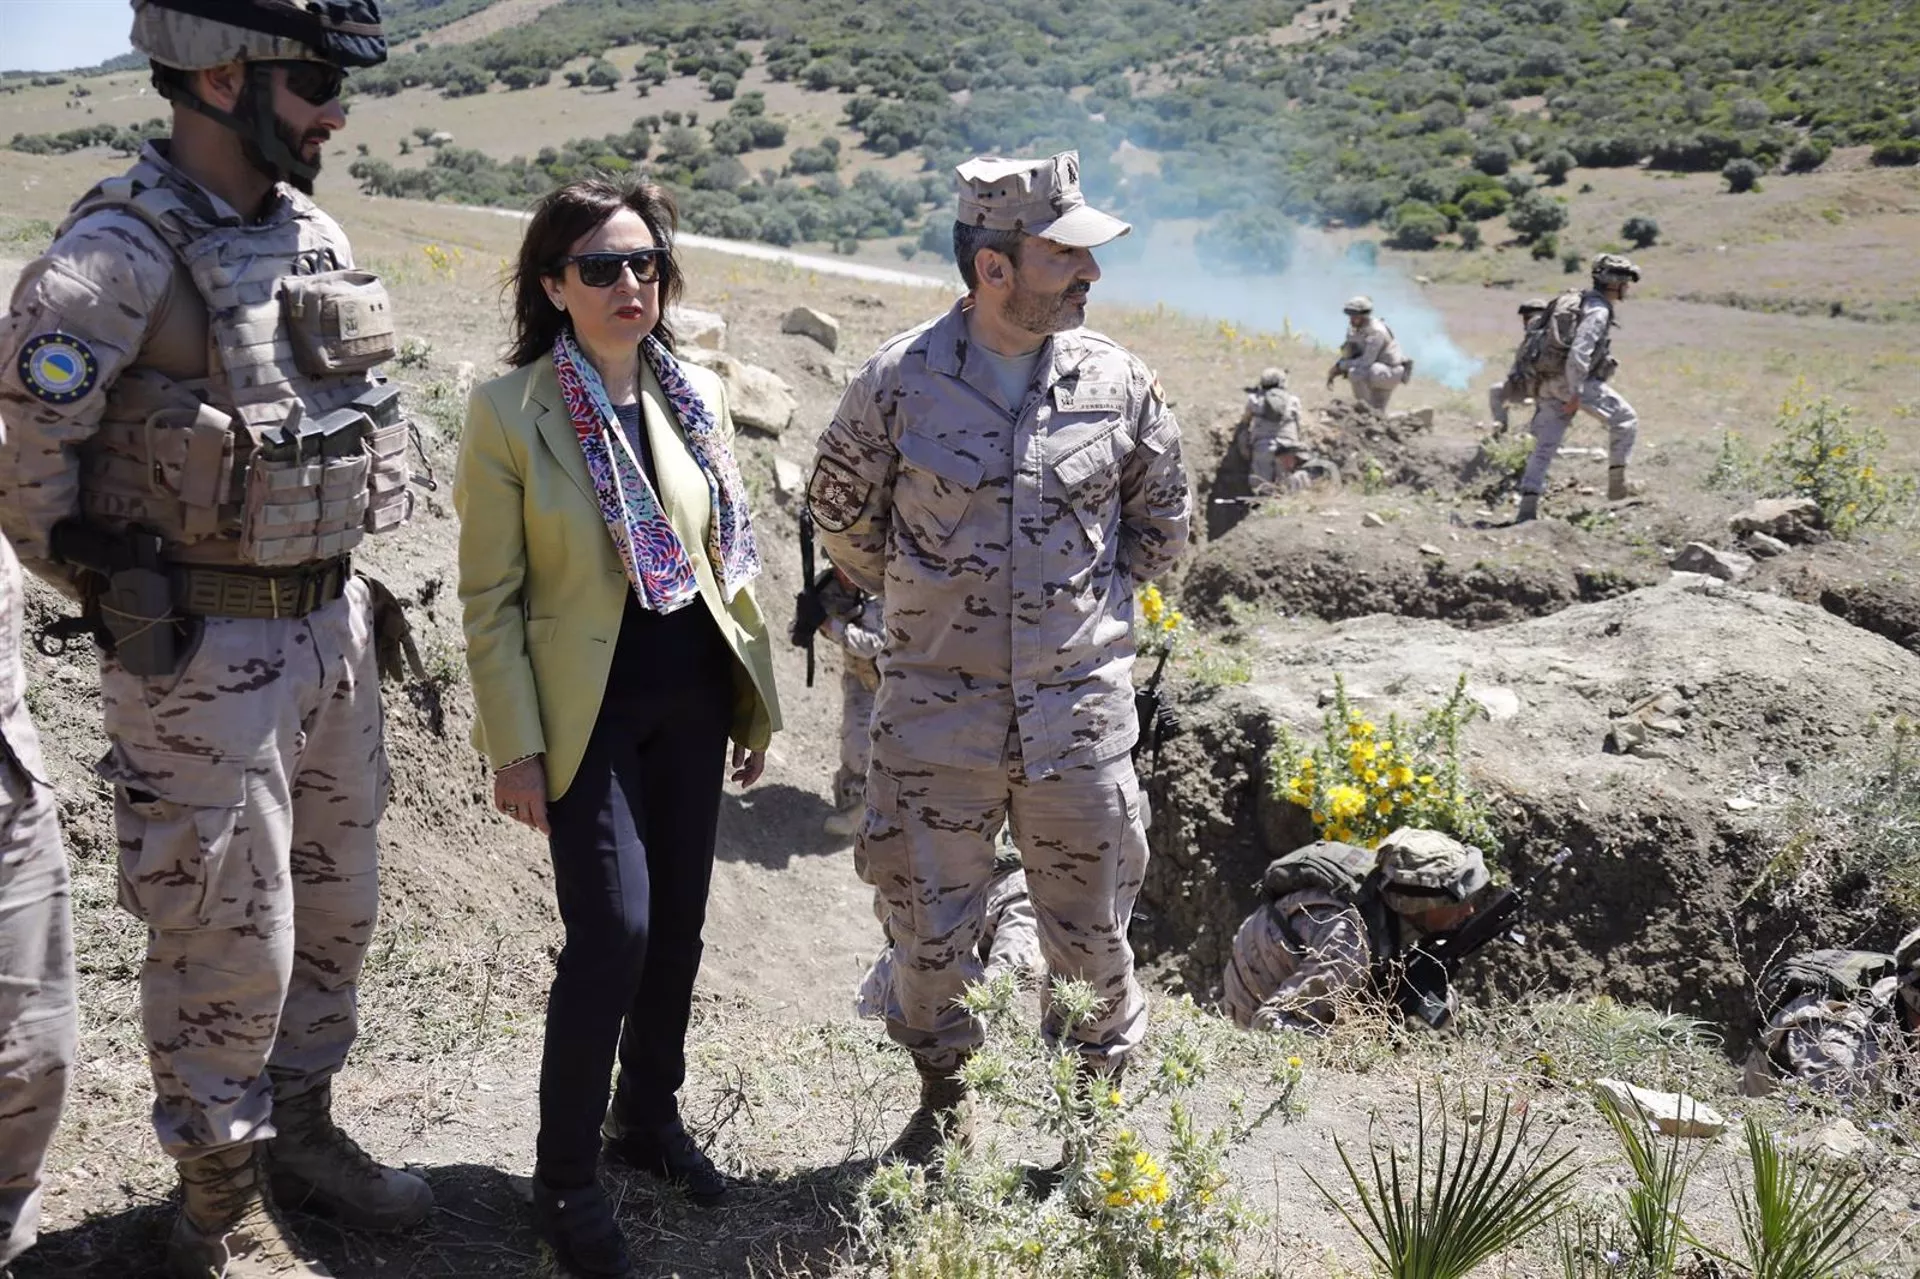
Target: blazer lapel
555 425
677 477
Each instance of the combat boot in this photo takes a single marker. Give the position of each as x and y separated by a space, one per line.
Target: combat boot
228 1228
1619 488
945 1113
1529 508
316 1166
1092 1084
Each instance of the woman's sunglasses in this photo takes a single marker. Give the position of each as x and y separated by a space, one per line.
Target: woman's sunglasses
600 270
314 83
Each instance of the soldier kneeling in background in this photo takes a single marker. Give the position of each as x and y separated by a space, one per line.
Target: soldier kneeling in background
1836 1018
1339 921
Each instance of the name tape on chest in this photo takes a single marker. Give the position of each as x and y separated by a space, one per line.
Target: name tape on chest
58 368
1090 397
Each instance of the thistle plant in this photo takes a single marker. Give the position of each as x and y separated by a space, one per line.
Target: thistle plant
1464 1196
1361 782
1129 1201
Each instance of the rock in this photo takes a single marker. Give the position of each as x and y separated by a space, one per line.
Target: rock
1500 704
1372 520
701 329
1698 557
1765 545
1791 519
789 481
1672 1114
439 138
1428 548
758 397
818 325
1741 804
1837 1142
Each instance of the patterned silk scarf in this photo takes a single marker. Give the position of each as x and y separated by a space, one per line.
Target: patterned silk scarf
656 561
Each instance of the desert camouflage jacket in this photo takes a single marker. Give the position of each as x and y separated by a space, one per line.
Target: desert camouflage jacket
1373 343
1006 544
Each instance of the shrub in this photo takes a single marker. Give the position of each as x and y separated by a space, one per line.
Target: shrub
1807 156
1852 818
1470 235
722 87
1493 159
1259 239
1640 231
1822 456
1571 261
1899 153
1800 1221
602 74
812 160
1360 784
1537 214
1486 203
1742 175
1554 166
1546 248
1417 225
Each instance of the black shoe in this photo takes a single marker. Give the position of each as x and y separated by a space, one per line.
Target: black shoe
671 1155
577 1223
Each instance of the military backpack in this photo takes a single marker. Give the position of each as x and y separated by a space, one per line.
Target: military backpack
1543 351
1827 974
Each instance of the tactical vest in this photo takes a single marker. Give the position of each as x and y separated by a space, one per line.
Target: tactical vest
1826 974
1548 343
1348 874
287 452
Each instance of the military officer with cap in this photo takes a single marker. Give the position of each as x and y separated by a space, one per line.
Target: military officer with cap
1370 358
1011 476
195 442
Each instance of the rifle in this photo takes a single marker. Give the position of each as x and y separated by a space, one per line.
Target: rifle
1157 720
1428 966
808 611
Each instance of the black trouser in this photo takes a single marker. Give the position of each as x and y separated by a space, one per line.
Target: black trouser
632 850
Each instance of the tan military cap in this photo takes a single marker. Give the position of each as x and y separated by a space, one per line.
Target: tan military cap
1427 861
1039 197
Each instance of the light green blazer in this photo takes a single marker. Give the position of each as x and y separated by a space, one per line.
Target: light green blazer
542 589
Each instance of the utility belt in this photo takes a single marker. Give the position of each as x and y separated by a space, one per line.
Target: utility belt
147 611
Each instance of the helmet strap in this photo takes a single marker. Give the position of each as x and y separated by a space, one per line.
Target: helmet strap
253 119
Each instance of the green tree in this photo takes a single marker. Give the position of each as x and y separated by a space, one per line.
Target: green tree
1640 231
1807 155
1537 215
602 74
1493 159
722 87
1742 175
1416 225
1555 165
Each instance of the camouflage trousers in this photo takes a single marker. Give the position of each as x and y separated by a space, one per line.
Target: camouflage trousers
1009 943
1551 418
248 794
1267 450
1374 384
37 1011
856 743
1834 1045
1500 402
927 845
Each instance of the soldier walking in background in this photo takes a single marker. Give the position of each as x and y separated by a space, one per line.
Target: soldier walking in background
194 445
1518 386
37 1011
1370 358
1570 359
1010 476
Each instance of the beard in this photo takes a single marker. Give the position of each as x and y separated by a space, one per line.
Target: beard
1045 313
294 142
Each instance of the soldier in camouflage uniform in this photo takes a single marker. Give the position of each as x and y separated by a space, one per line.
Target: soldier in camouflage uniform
1518 385
856 622
1575 381
1268 437
1335 916
194 444
1370 358
37 1010
1011 476
1838 1019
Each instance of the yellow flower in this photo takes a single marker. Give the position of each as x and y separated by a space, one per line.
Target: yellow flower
1116 1198
1307 764
1383 808
1295 1062
1156 1224
1426 779
1370 777
1113 1098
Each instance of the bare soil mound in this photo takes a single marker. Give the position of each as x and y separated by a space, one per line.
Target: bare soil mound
1662 902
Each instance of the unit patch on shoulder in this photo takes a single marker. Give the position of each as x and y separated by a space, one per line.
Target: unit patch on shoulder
1158 392
58 368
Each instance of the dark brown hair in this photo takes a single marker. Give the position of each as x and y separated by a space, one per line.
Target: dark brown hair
561 218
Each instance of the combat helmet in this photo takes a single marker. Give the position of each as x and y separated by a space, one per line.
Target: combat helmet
195 35
1359 305
1271 380
1426 868
1612 268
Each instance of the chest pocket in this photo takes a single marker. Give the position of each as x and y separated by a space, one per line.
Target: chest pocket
934 488
1085 453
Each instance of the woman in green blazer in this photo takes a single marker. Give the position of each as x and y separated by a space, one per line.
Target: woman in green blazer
615 647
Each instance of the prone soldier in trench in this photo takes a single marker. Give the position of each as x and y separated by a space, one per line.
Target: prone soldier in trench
195 444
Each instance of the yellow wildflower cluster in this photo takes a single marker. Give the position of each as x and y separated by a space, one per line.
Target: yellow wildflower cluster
1161 622
1132 1178
1359 787
442 261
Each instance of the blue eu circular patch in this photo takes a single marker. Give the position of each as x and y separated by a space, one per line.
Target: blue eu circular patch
58 368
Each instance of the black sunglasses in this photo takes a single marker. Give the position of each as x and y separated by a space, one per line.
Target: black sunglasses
314 83
600 270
